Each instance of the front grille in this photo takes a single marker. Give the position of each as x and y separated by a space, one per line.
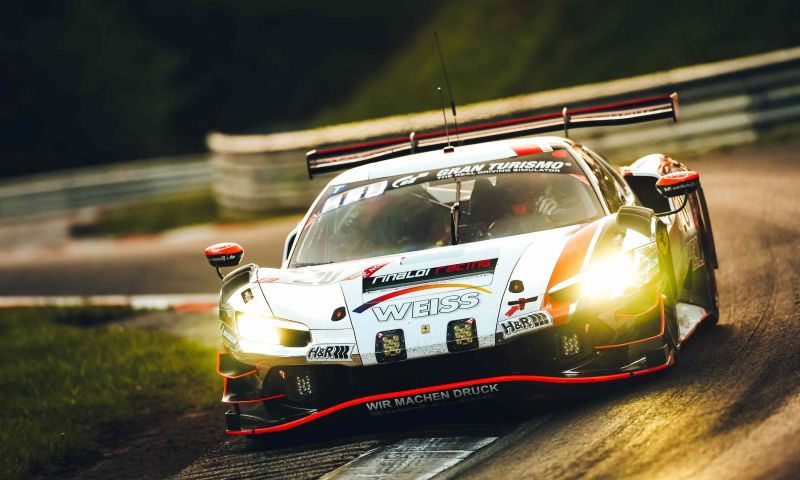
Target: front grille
336 383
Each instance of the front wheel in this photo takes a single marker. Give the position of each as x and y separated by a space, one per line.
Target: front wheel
672 334
712 295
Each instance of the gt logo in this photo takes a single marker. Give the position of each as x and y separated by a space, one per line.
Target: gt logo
408 180
329 352
427 307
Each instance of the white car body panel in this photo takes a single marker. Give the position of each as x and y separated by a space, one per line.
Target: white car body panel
309 295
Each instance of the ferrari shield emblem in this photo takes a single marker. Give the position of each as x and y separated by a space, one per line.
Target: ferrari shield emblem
662 239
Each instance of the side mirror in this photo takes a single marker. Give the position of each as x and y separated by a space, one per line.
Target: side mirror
676 184
639 219
224 255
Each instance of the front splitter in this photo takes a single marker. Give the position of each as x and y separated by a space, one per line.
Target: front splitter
448 391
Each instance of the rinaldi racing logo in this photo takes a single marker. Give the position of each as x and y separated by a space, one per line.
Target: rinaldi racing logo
423 275
329 352
526 323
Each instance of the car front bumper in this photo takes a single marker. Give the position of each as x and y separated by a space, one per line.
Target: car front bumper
289 396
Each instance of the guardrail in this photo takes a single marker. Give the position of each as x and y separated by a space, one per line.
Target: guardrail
722 103
71 190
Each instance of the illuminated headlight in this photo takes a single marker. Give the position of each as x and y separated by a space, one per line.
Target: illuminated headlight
257 332
257 328
621 273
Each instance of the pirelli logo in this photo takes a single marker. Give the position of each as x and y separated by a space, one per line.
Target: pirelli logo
321 353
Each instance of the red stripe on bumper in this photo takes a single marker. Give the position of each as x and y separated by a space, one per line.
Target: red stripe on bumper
448 386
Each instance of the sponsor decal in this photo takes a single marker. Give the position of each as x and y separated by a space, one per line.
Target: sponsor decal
220 259
519 305
342 195
247 295
524 324
696 259
311 277
229 337
428 306
322 352
426 328
427 399
353 195
424 275
370 271
529 166
662 241
408 180
375 301
312 218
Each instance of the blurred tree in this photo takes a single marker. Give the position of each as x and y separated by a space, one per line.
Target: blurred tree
499 48
88 81
79 85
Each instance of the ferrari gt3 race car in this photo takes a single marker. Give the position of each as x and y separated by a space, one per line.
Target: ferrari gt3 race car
463 265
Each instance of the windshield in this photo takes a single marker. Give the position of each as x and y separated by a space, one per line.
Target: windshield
420 211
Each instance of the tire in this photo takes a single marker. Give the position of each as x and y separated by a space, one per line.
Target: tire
712 294
672 334
709 252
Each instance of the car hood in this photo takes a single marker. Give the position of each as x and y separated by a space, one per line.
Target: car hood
423 295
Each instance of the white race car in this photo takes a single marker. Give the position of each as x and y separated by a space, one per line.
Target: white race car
429 273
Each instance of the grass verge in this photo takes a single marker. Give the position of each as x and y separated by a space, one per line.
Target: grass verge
166 212
63 384
155 215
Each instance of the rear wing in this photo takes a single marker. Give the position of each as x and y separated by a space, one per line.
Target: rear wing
633 111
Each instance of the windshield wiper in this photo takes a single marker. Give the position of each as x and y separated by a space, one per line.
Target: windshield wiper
455 214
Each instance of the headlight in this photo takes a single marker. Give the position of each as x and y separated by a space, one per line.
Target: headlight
621 273
260 333
257 328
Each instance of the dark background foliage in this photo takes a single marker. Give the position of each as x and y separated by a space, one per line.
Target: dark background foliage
90 81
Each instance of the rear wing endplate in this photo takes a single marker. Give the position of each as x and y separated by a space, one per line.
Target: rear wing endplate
633 111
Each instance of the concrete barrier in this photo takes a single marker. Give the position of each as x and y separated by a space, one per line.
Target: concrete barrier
72 190
722 103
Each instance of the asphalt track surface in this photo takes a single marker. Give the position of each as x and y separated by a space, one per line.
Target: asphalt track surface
729 409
